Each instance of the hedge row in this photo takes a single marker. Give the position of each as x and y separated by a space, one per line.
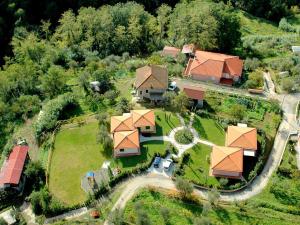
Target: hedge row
50 114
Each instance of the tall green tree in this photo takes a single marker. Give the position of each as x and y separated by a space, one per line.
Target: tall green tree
53 82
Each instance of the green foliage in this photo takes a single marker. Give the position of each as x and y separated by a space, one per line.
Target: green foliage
40 201
116 217
50 113
251 64
188 24
213 197
53 83
2 221
123 106
272 10
35 175
184 136
255 80
286 26
238 111
180 102
185 187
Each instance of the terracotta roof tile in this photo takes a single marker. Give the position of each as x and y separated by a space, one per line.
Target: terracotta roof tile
194 92
227 159
142 118
153 76
121 123
214 64
243 137
126 139
12 171
170 51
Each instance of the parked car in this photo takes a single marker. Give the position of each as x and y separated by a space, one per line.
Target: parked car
172 86
156 162
167 164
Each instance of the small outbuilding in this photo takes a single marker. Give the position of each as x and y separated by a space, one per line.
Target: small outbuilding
195 94
296 49
188 49
12 176
170 51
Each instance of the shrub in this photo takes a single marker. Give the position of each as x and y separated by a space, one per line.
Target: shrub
238 111
184 136
50 113
251 64
35 174
2 221
255 80
286 26
185 187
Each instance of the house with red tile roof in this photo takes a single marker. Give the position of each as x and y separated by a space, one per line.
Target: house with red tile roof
11 175
125 131
196 94
214 67
126 143
243 137
226 162
151 82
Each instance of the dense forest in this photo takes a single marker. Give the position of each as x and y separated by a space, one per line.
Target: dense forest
86 46
272 10
53 47
29 13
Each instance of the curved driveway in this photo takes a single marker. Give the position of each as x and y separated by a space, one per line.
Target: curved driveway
288 124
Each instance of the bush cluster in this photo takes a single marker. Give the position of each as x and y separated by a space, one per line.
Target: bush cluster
50 113
184 136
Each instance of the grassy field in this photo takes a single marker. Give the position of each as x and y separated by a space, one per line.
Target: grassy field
165 122
182 213
283 190
197 168
148 150
209 129
124 85
75 153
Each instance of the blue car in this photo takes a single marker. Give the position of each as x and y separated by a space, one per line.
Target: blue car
156 162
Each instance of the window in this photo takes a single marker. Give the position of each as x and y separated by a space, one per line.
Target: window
122 150
141 92
147 127
146 91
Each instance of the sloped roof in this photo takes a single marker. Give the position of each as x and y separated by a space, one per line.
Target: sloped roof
188 48
142 118
227 159
121 123
170 51
243 137
14 166
214 64
153 76
126 139
194 92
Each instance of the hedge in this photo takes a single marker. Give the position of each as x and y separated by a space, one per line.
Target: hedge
50 114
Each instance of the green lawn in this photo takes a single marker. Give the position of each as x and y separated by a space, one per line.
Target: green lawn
197 168
124 85
148 149
182 213
75 153
287 188
209 129
165 122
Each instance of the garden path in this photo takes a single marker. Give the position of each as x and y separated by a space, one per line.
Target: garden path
288 124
